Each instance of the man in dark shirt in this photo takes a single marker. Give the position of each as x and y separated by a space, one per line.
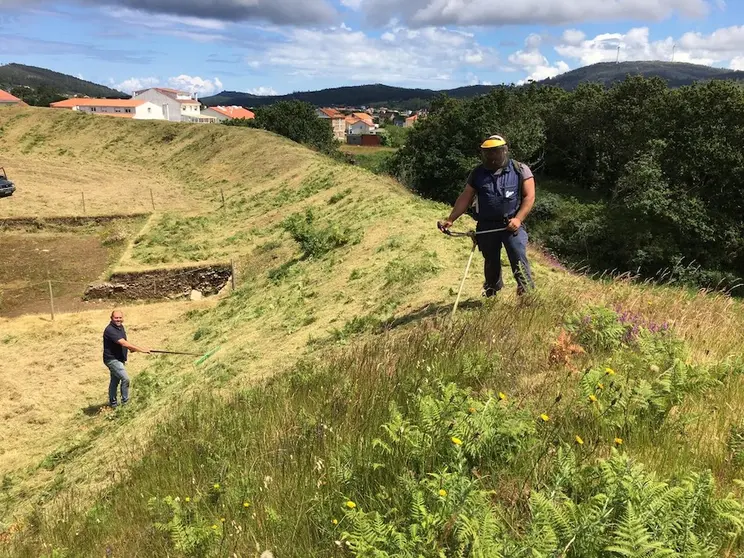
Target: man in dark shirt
115 348
503 191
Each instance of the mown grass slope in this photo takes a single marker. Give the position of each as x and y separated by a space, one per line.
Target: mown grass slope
381 428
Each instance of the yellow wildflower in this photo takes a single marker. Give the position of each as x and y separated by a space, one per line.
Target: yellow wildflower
351 505
222 519
593 398
502 396
618 441
216 486
214 527
187 499
609 371
579 441
456 441
471 410
246 504
545 418
335 521
600 386
442 492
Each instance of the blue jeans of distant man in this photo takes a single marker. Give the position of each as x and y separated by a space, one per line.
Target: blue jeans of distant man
516 249
118 376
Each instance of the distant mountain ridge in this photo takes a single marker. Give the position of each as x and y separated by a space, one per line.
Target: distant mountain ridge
19 75
676 74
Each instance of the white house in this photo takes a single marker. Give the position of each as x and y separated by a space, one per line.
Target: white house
138 109
177 106
355 126
227 113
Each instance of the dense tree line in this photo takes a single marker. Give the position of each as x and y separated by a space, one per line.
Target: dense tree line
664 169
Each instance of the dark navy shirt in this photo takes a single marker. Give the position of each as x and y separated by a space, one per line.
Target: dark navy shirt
111 348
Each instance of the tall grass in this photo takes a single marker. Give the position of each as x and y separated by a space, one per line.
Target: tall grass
497 435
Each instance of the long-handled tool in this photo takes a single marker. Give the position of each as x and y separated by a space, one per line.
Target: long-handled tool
174 353
472 235
202 358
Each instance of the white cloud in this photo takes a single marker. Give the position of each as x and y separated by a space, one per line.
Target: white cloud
263 91
573 36
737 63
195 84
353 4
553 12
429 55
534 63
184 82
135 84
721 46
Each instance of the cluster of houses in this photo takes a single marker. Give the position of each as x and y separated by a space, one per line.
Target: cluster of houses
358 127
353 126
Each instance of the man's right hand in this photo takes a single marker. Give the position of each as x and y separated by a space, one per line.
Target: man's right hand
446 224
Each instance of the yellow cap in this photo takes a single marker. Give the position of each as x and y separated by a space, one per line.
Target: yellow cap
493 141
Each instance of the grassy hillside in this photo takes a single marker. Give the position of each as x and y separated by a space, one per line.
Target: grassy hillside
378 424
18 75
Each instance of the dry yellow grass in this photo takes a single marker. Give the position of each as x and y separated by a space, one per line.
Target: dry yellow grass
51 372
271 325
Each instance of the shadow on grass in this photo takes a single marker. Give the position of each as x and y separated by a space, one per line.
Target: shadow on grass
94 410
427 311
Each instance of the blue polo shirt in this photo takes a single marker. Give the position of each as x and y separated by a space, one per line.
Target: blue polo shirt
111 348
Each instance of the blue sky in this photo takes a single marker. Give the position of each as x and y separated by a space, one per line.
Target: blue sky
280 46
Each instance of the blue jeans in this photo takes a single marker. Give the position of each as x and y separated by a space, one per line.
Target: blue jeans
118 375
516 249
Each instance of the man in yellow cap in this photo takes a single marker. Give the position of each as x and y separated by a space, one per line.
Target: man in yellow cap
503 191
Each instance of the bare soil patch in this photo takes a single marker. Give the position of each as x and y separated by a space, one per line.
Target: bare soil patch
29 261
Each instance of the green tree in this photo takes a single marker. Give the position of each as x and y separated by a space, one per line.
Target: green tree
296 120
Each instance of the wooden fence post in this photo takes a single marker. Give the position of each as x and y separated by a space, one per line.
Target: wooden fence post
51 298
82 193
223 199
232 273
152 199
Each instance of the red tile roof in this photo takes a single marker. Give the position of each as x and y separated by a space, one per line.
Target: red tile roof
6 97
234 112
365 117
332 113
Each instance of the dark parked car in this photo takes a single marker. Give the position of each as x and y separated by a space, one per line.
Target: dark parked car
6 186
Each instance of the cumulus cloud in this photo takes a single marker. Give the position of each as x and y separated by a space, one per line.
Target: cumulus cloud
192 84
721 46
553 12
429 55
737 63
292 12
263 91
195 84
534 63
135 84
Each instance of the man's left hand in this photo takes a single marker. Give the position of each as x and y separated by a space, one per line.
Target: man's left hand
514 224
